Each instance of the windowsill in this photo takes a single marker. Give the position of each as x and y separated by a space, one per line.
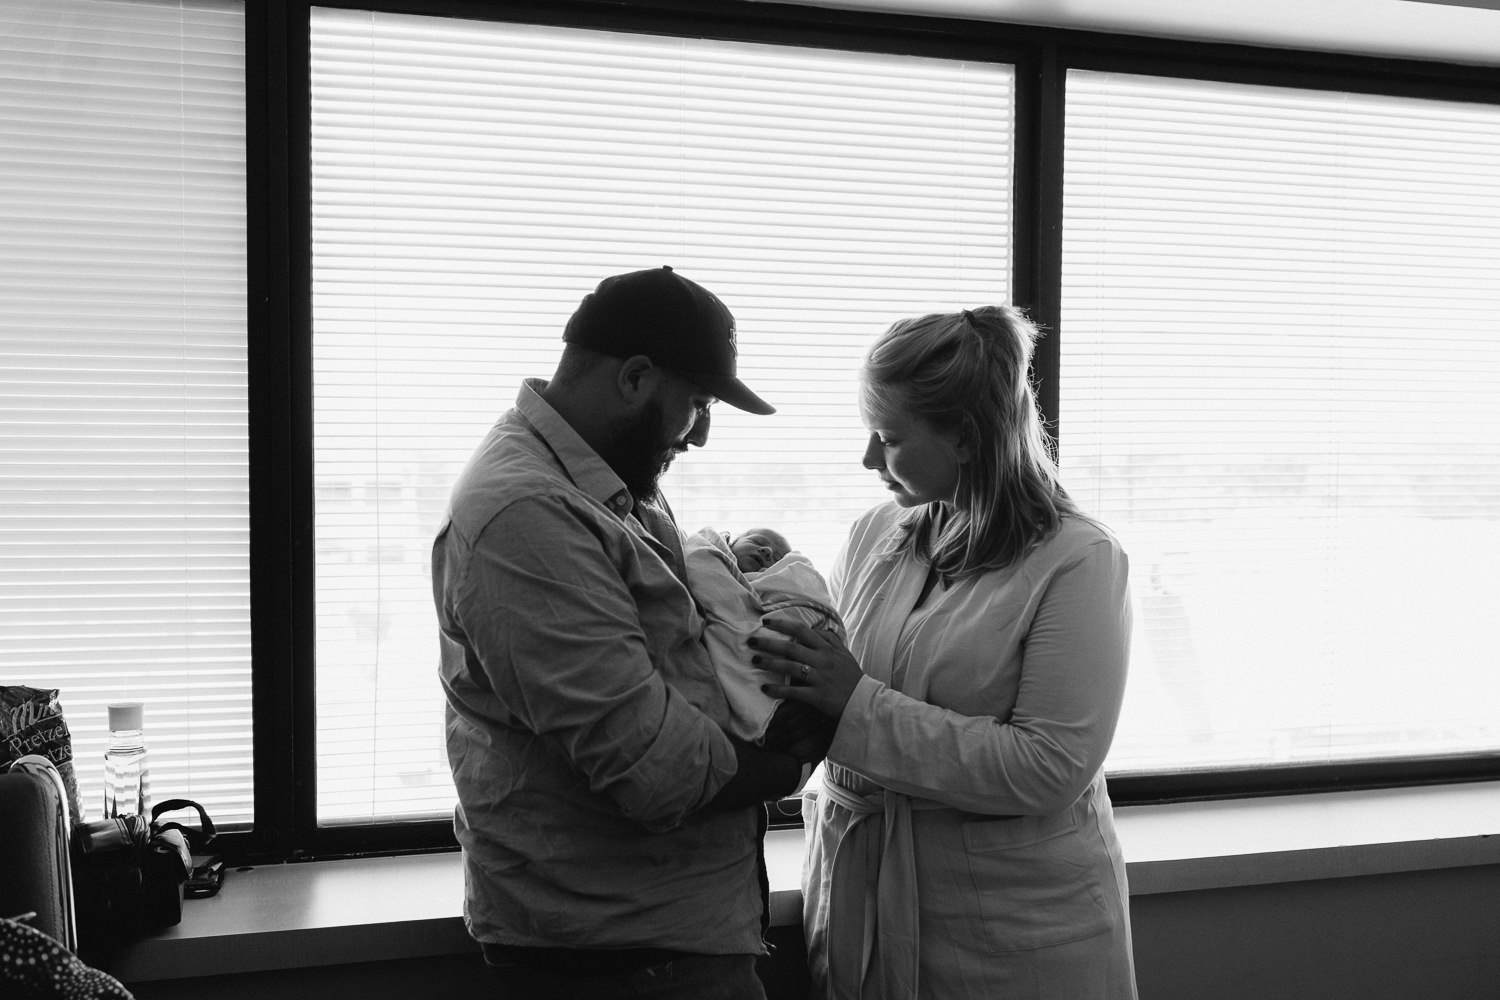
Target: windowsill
1296 838
373 909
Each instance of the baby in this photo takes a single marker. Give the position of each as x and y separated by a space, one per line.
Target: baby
758 549
738 582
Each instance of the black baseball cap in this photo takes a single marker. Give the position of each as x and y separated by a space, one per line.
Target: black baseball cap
675 322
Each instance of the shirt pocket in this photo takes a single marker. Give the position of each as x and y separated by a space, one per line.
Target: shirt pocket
1036 881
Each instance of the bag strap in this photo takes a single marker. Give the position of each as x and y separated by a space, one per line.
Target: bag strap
196 840
105 836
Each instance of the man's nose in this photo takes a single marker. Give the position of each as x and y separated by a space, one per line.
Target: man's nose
697 435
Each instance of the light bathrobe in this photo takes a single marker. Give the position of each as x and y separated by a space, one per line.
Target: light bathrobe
734 604
963 844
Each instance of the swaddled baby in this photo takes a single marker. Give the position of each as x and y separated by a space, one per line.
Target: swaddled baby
738 582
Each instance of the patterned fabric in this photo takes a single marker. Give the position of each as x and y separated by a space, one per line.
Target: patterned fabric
33 965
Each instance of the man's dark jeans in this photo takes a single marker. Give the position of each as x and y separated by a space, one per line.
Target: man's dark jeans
693 977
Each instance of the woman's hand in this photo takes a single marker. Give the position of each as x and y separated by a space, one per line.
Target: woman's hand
819 668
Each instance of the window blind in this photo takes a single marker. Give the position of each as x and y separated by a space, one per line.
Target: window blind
124 566
472 181
1279 380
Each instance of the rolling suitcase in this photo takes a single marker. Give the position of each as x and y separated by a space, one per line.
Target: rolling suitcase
34 836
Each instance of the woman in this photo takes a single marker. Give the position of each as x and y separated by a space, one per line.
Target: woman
963 844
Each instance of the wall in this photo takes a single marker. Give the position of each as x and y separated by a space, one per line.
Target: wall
1426 935
448 977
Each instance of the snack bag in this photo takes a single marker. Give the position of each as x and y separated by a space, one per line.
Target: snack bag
31 721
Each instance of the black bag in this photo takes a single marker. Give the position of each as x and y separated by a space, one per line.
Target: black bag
128 874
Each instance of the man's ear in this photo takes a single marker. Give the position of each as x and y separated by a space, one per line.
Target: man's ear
637 380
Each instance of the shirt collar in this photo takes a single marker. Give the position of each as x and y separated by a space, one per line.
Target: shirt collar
589 472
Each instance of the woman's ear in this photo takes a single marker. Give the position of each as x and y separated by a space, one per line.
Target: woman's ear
961 449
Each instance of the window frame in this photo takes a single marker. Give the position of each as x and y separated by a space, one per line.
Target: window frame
280 320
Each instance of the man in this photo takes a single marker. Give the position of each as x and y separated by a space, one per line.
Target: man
610 829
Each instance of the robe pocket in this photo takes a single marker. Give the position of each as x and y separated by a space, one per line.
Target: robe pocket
1036 881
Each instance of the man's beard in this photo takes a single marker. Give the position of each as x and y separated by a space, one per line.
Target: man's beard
641 452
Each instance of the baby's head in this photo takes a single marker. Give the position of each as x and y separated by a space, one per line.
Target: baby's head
757 548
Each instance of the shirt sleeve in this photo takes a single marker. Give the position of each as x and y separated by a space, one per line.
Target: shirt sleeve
1045 754
547 609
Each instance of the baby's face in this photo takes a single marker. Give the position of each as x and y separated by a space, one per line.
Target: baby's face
757 549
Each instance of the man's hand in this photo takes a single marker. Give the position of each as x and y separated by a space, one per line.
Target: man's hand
800 730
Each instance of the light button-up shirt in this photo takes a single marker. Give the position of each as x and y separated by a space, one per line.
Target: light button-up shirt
584 721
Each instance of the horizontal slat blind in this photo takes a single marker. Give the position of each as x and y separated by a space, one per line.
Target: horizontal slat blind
472 181
1281 385
124 564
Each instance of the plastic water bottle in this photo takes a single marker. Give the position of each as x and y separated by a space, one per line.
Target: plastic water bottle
127 784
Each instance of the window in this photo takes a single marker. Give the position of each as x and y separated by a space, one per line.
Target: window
1270 335
471 181
1279 385
124 510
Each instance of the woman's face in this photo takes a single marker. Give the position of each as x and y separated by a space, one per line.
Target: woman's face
918 463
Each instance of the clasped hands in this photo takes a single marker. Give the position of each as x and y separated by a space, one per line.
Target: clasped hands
821 675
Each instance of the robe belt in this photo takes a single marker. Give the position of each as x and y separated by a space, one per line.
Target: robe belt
878 911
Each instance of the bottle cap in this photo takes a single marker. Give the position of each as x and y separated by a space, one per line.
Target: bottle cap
125 715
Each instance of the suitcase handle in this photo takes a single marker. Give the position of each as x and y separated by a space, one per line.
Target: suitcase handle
38 765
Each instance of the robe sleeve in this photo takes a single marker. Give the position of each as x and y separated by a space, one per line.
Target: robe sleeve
1046 752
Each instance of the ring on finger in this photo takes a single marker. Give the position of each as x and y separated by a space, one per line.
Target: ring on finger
806 670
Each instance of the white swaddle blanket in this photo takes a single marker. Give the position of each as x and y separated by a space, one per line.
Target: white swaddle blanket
735 603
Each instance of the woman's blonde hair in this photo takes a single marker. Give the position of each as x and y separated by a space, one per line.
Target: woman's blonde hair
969 372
